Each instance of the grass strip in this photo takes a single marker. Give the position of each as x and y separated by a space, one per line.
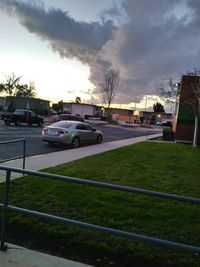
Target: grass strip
170 168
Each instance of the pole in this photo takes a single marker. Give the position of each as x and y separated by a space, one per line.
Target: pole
145 102
4 212
24 153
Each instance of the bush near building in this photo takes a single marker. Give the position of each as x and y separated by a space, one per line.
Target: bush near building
168 134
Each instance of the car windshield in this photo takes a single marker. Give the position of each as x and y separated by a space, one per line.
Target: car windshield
63 117
62 124
19 112
69 117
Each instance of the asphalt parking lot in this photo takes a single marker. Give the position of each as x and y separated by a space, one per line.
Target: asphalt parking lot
35 145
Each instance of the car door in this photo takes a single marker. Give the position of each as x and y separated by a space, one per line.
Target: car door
80 132
27 116
33 117
89 133
84 132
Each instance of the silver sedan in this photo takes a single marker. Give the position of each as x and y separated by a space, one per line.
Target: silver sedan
72 133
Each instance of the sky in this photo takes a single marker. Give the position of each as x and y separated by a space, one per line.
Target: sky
66 46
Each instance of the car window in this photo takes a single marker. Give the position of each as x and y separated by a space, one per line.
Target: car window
84 127
62 124
80 127
75 118
63 117
33 114
69 117
88 128
19 112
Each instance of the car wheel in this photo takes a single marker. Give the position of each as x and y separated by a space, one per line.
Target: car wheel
99 139
17 123
7 122
76 142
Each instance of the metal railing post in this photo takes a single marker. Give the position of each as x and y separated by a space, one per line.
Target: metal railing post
24 153
17 157
4 212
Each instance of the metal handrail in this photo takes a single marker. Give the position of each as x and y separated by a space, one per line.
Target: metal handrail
6 207
17 157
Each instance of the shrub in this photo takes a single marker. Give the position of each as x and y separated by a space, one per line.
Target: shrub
168 134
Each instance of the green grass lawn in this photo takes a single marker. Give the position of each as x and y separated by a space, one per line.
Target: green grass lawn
170 168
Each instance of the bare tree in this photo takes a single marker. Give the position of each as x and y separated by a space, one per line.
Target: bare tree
168 94
108 88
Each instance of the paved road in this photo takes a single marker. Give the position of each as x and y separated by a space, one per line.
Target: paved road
35 145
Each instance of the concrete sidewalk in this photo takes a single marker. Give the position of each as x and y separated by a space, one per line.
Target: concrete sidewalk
16 256
22 257
44 161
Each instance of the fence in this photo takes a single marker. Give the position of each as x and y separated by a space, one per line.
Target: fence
16 157
6 207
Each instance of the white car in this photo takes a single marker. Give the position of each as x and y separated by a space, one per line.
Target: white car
94 120
128 124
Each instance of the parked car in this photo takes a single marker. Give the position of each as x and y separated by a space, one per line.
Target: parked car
2 114
52 118
95 120
69 117
164 123
128 124
22 116
73 133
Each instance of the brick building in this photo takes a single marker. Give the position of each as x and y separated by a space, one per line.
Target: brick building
153 117
183 125
121 114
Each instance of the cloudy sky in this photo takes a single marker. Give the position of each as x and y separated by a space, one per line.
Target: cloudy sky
66 46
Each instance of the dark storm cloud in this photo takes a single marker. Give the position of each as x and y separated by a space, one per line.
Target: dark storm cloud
157 41
149 9
69 37
152 40
194 21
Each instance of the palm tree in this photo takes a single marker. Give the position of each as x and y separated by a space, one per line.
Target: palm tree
78 100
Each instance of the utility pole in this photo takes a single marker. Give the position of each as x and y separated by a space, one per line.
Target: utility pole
136 101
145 107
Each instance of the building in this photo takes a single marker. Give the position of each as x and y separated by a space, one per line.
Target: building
82 109
85 110
2 103
120 114
16 102
153 117
183 125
